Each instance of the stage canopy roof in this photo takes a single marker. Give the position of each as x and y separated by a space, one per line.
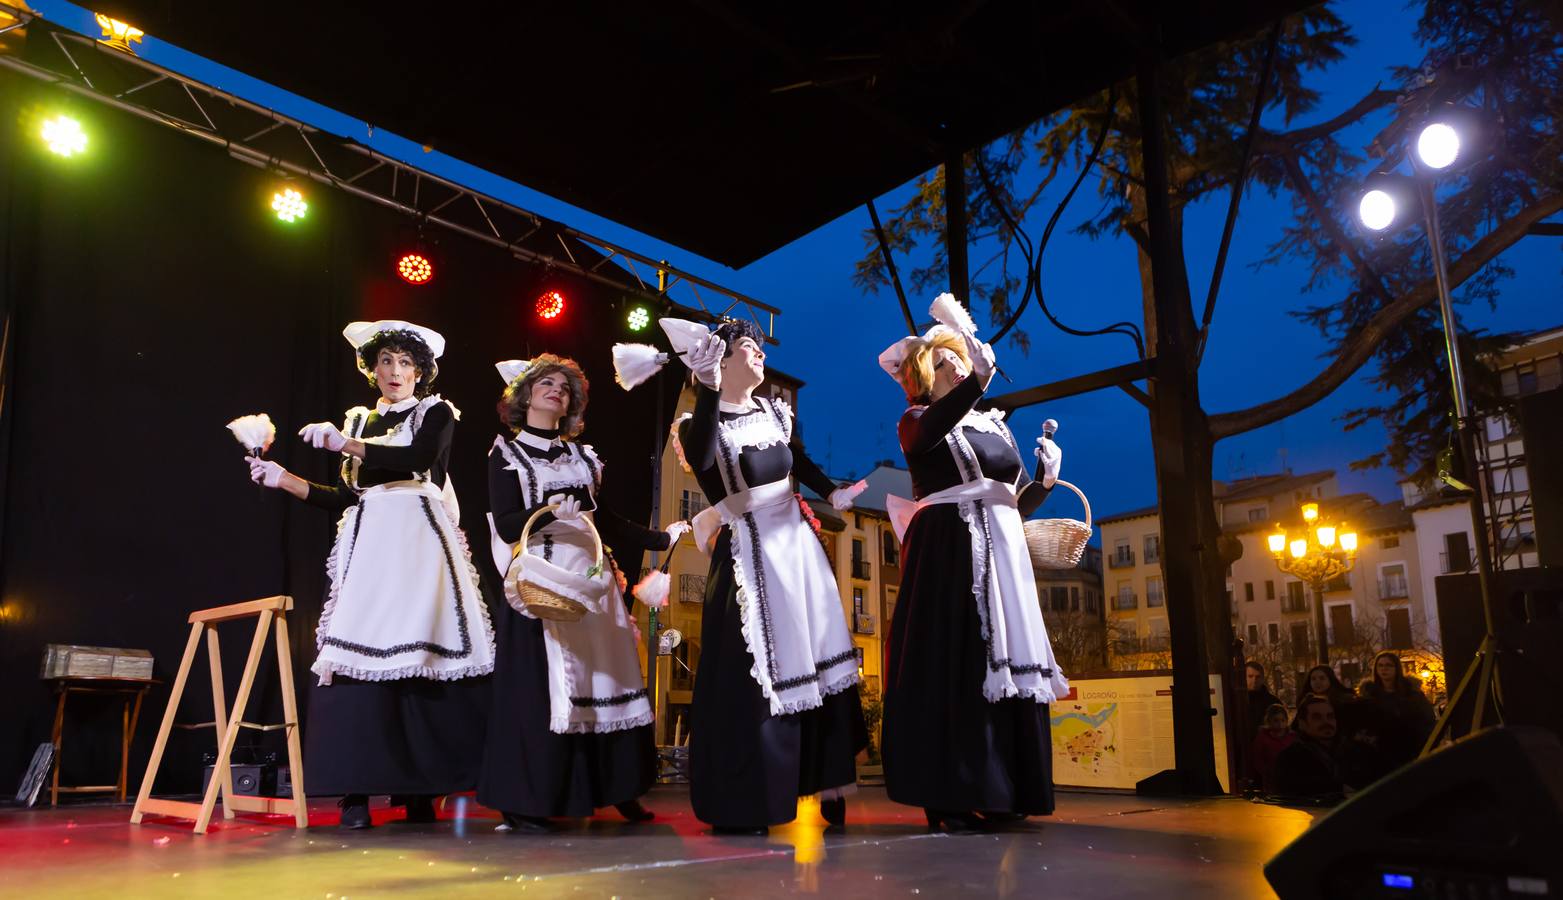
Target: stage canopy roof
727 127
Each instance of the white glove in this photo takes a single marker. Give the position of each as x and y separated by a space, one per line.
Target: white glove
265 472
982 361
1052 459
677 530
323 435
705 361
841 498
568 507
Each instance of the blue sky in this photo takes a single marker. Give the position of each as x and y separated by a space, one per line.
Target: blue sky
831 333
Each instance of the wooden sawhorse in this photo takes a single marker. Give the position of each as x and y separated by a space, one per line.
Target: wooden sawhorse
270 611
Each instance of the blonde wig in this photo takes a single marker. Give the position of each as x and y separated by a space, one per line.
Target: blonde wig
916 372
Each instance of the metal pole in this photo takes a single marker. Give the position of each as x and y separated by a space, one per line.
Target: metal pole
656 521
1319 624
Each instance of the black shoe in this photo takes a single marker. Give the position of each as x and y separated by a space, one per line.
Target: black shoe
632 811
952 822
740 830
355 812
834 811
420 810
525 824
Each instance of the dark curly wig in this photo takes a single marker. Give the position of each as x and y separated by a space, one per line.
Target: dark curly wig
407 342
734 330
512 403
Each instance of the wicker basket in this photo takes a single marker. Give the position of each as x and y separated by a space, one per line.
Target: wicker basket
1059 543
543 602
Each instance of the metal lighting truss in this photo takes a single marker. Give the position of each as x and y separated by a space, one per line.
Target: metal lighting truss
269 140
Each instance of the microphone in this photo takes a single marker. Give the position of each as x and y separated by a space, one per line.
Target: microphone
1048 427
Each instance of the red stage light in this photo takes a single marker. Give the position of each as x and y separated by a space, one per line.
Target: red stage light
415 268
550 305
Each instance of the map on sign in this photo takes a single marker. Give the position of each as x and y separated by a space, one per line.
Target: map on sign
1086 734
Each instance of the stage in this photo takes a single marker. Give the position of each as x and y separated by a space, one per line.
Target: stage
1096 845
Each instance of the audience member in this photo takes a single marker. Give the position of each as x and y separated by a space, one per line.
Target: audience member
1400 711
1259 698
1274 737
1309 769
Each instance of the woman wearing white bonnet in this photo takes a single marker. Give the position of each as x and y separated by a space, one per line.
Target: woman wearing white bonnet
404 641
571 729
776 713
970 670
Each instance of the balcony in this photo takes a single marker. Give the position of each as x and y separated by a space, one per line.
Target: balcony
1122 559
1393 589
1455 563
1290 604
860 569
1125 601
1152 554
863 623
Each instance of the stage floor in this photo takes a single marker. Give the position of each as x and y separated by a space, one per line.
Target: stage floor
1096 845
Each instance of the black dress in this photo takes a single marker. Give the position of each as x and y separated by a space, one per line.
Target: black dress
945 746
747 766
410 735
529 770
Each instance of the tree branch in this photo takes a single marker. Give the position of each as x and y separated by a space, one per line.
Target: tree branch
1321 214
1360 346
1283 141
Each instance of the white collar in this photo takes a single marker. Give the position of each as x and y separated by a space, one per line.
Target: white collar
724 406
382 407
541 443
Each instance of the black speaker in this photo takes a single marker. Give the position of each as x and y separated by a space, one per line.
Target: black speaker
1541 428
1480 818
259 780
1528 620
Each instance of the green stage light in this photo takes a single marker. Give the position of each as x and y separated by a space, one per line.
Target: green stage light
64 136
639 317
289 205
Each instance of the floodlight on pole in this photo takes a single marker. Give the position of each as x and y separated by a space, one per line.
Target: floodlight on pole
1377 210
1438 146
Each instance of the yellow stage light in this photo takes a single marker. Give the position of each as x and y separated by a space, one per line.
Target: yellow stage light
64 135
289 205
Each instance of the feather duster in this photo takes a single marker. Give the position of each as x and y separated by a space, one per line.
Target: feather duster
653 589
952 315
633 364
255 432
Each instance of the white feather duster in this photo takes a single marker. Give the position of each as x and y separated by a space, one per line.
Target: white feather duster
653 589
633 364
255 432
952 315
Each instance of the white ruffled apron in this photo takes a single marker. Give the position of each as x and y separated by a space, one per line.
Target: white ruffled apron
1019 656
404 600
789 605
595 682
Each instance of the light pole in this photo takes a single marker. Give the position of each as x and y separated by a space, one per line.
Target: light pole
1321 552
1439 146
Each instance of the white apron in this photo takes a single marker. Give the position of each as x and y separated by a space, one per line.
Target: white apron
404 600
789 605
595 682
1019 656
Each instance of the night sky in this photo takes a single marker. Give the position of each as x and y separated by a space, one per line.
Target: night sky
831 333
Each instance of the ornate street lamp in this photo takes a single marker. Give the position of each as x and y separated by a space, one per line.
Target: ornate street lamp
1321 552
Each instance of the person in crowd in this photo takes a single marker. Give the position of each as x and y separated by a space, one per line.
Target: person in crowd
1259 697
1309 770
404 644
1273 738
1403 713
571 729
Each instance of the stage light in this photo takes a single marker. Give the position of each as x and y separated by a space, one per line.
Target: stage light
415 268
289 205
550 305
64 136
1377 210
639 317
1438 146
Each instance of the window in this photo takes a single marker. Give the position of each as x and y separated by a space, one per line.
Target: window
1090 600
1269 590
1300 643
1152 547
1296 601
1259 514
892 553
1153 595
1342 630
1392 582
1274 630
1399 628
857 600
691 588
1123 555
890 594
1059 597
1125 596
1074 599
1253 635
1389 543
859 564
1248 592
691 503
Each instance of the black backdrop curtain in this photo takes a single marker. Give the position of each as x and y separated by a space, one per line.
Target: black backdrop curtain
152 297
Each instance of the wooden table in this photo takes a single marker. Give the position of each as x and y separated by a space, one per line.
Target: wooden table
134 690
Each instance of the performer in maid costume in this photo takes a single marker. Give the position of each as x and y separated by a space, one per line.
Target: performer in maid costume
404 641
775 710
571 729
971 671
